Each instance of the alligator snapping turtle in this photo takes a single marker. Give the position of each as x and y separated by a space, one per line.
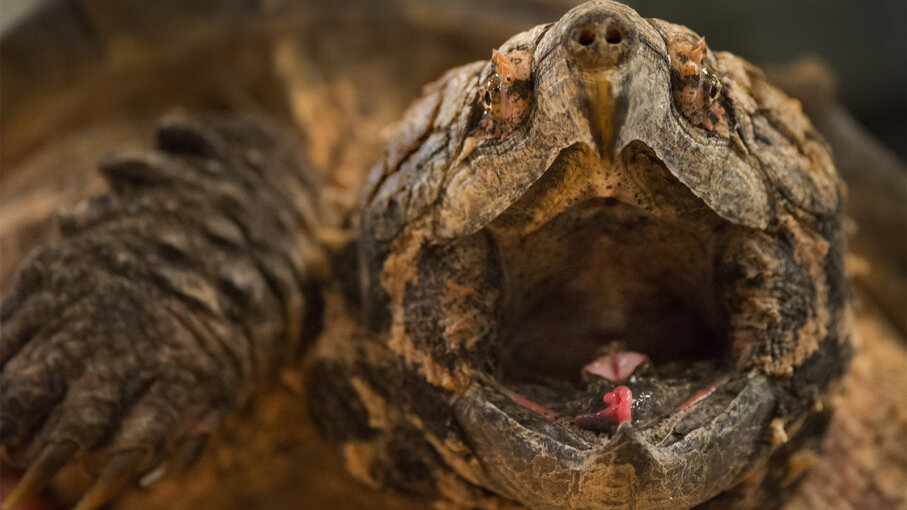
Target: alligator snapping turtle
603 185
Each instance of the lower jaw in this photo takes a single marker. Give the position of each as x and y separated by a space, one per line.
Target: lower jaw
546 462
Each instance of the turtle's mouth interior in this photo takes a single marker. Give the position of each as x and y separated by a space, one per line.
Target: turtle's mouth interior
606 277
629 283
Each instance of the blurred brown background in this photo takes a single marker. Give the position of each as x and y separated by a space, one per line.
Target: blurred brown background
864 43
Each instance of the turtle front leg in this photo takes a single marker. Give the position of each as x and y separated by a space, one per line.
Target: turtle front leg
162 306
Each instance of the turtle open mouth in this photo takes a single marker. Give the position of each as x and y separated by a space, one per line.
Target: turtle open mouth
616 278
629 301
623 285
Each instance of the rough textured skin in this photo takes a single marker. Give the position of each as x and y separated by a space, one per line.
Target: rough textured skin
268 457
165 302
452 206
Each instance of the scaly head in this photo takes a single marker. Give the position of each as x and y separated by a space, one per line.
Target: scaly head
629 194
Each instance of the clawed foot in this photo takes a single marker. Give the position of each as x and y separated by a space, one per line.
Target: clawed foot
163 304
116 370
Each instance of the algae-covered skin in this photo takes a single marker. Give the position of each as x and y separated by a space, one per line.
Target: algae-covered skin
583 192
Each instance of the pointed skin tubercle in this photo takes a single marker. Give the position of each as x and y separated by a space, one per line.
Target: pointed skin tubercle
121 469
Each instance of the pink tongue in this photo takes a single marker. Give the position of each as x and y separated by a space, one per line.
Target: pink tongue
617 366
619 410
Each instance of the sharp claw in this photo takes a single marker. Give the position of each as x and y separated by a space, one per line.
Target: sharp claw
176 134
52 459
131 166
152 476
117 473
189 453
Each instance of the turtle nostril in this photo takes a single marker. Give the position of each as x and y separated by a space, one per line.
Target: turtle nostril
586 36
595 42
612 34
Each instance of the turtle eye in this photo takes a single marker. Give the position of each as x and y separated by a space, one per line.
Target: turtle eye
712 85
714 89
491 97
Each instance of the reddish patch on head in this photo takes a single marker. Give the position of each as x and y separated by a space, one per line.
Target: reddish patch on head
506 95
512 67
617 366
619 410
699 87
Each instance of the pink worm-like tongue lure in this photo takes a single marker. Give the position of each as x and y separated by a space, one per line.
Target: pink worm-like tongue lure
620 403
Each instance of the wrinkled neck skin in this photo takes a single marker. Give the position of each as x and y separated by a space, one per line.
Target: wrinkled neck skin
610 215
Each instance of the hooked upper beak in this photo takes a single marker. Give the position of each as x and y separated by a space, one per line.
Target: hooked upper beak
597 43
621 65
